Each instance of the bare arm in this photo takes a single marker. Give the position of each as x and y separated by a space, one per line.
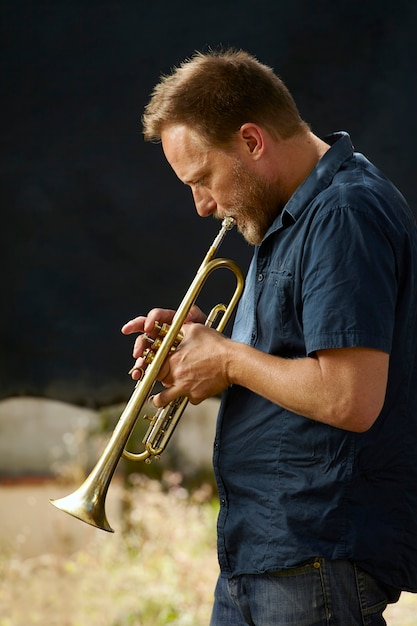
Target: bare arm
344 388
341 387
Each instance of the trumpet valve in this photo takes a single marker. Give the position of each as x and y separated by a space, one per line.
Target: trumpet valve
149 353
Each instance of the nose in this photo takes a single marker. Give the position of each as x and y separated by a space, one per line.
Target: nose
204 203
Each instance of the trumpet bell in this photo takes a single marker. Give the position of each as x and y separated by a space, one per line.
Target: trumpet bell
86 504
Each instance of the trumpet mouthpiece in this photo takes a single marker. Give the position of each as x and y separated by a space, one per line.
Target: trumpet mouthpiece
228 222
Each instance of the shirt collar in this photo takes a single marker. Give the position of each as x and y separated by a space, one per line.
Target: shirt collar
341 148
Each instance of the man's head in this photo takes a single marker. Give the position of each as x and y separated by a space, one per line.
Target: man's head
231 131
226 182
216 93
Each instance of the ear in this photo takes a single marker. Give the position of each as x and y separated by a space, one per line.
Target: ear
253 138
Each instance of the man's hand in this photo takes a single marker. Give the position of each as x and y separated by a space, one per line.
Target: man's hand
146 326
198 367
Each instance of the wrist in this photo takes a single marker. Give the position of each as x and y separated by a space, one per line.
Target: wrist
232 360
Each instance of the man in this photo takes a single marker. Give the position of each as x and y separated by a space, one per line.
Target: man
315 450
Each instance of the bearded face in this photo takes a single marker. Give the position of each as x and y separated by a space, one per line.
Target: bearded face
222 183
253 203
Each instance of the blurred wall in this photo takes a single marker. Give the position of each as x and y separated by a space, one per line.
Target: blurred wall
95 227
65 440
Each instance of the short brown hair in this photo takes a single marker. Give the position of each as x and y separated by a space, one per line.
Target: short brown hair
217 92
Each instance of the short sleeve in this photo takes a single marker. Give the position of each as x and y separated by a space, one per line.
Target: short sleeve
349 282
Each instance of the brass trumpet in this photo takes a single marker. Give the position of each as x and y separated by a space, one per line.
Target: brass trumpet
87 503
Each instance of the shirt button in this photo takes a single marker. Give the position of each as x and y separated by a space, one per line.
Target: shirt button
260 277
222 501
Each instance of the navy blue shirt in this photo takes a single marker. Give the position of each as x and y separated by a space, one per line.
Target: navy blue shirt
337 269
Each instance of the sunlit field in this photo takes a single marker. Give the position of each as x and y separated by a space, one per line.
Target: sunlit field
158 568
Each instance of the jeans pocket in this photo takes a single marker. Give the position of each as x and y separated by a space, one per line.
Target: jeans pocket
373 595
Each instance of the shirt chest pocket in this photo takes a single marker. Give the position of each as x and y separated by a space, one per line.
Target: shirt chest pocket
279 313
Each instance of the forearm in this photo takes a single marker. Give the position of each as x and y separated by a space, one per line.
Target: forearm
343 388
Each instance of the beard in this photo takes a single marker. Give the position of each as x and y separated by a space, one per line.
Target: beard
254 204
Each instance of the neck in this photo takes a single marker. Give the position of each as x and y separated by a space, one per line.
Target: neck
295 159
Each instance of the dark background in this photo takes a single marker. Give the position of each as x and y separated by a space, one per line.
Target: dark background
95 227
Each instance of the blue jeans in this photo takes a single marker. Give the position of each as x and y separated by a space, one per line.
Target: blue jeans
319 593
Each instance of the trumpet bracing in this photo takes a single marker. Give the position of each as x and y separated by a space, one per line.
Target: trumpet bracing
87 503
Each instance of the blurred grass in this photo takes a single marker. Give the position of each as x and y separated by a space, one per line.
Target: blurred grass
159 571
